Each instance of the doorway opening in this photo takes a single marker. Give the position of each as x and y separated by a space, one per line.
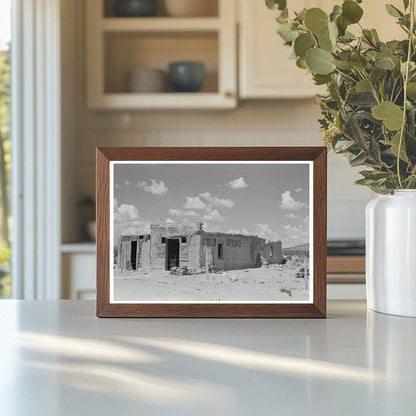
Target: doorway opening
172 253
133 256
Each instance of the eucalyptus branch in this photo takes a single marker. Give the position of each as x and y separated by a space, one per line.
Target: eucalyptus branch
364 115
406 80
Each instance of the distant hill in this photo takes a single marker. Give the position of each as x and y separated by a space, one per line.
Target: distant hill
303 249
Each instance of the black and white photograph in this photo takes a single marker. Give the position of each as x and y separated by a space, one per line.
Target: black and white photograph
205 232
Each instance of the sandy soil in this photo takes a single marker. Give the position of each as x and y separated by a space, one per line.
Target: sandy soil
268 283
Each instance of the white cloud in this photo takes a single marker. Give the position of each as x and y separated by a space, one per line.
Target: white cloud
237 231
125 212
213 215
298 190
127 182
127 221
265 231
292 216
194 203
217 202
295 235
239 183
169 221
289 203
155 188
182 213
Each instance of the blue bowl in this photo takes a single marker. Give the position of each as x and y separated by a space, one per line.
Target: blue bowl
136 8
186 76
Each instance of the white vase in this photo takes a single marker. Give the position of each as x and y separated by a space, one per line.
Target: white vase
391 253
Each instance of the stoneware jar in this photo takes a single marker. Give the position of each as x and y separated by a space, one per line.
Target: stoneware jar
135 8
391 253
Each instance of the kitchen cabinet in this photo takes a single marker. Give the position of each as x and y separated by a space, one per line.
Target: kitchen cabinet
116 46
265 70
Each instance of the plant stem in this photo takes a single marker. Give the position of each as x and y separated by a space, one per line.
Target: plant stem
406 80
345 75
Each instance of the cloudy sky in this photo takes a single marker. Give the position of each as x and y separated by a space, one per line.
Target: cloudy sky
268 200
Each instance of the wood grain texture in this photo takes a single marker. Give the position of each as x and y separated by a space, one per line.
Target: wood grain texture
317 309
346 264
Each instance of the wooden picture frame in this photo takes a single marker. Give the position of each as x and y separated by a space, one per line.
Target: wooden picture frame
316 308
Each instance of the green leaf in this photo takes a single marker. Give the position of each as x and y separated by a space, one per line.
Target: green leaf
321 79
375 35
343 145
336 12
394 144
324 42
358 160
301 63
351 11
300 17
374 150
363 86
358 61
276 4
393 11
374 175
303 43
316 20
286 32
391 114
406 4
319 61
343 65
385 63
342 25
364 181
411 90
347 37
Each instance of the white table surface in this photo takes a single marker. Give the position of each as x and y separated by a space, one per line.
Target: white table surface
57 359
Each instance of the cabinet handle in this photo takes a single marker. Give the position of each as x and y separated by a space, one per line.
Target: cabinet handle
228 94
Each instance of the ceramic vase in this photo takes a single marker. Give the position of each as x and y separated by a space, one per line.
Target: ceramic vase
391 253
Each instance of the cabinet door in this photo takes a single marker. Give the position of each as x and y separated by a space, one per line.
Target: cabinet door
265 68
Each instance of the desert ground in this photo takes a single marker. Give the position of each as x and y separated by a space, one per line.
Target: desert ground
272 283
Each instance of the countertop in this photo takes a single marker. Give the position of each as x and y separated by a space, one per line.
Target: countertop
57 358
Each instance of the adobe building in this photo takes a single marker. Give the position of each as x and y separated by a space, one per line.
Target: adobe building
187 244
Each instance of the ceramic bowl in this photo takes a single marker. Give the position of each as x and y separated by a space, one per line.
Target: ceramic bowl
147 80
135 8
186 76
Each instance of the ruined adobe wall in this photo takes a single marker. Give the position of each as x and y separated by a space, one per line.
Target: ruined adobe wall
193 249
188 251
273 252
145 254
124 252
238 251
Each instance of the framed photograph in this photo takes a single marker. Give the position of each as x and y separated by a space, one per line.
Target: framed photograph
211 232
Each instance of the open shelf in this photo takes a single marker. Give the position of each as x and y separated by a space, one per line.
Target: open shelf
81 247
160 24
127 51
108 9
116 46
